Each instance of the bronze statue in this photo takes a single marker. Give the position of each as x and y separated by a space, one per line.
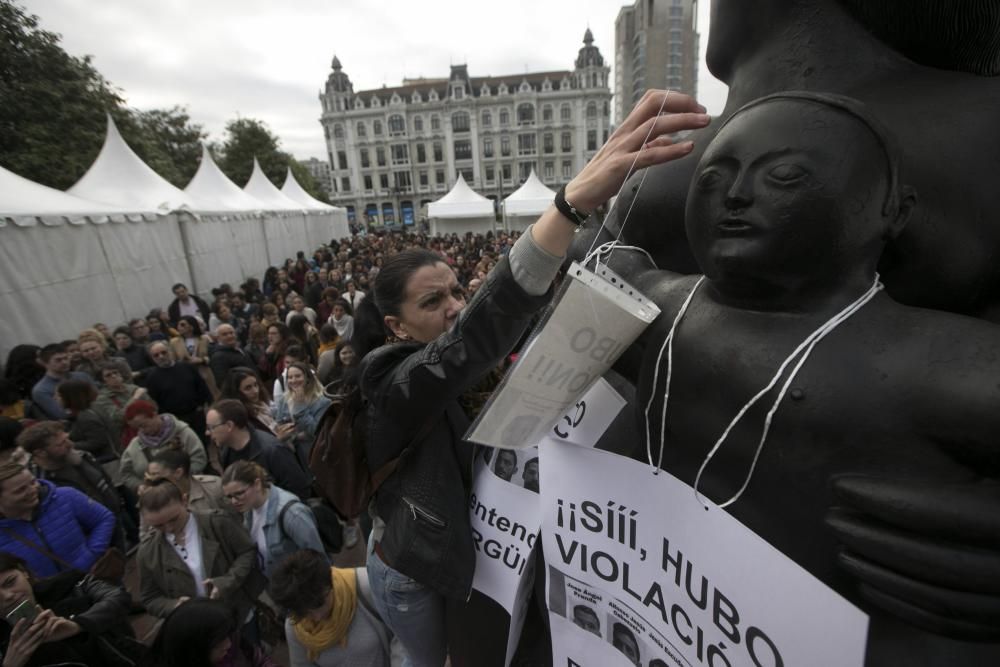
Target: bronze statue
924 68
879 471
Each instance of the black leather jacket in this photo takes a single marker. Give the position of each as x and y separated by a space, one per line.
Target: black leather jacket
411 387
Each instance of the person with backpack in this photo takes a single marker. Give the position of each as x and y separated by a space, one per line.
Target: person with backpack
423 555
279 523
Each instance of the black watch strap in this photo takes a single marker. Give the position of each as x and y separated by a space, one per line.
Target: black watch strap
570 212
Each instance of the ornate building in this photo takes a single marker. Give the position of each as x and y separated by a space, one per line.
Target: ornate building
656 46
392 150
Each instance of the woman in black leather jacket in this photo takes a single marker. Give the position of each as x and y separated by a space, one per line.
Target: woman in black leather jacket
422 562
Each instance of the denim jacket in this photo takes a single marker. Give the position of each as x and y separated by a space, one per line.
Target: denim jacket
306 418
299 528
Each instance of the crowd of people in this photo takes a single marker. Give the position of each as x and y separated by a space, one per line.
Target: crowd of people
182 439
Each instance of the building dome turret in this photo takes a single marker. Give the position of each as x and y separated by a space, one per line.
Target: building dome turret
590 55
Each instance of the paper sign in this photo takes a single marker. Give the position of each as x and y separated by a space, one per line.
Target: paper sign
594 321
636 561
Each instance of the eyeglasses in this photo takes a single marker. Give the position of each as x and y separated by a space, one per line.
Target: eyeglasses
238 495
211 427
161 353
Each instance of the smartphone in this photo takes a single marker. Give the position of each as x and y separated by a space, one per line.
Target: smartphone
27 610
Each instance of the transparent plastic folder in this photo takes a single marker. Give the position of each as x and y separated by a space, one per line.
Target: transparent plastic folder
597 316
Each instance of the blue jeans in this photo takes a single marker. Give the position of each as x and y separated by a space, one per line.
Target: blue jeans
414 613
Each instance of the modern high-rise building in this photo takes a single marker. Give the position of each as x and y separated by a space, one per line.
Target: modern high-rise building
656 46
392 150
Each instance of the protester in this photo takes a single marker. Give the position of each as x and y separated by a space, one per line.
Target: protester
413 386
111 400
54 359
332 621
203 492
53 528
277 343
229 426
245 386
83 620
188 304
313 291
299 409
335 364
341 319
136 355
193 555
325 307
353 295
204 633
227 354
293 353
155 431
191 346
88 430
279 523
94 354
23 369
299 307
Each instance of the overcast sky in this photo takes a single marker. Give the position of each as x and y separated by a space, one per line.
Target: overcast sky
268 60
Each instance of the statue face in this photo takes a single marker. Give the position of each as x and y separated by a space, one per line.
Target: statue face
787 190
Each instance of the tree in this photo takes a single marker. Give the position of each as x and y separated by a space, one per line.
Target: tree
168 142
247 138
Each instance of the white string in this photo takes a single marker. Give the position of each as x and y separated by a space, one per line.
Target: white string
631 170
667 343
805 348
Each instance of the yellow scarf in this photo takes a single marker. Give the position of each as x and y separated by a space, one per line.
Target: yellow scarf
321 635
323 347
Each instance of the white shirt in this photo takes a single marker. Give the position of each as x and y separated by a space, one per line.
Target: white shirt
190 553
189 308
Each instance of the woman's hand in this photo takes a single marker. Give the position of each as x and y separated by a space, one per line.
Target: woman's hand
63 628
285 431
642 138
137 394
26 637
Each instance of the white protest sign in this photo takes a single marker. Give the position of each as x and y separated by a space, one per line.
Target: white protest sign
667 580
504 507
596 319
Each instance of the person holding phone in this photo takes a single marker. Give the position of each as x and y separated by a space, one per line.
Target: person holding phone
67 618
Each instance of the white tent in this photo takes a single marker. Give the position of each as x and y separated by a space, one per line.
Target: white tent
285 231
461 210
58 261
525 204
331 223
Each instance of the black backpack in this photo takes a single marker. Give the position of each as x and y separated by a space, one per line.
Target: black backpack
331 531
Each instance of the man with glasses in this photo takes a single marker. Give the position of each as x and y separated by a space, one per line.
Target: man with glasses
177 388
228 425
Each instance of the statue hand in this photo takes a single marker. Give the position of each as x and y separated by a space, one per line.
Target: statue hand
927 552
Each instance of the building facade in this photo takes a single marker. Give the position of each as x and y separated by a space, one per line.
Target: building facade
320 171
656 46
393 150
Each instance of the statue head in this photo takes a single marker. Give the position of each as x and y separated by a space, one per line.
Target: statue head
796 186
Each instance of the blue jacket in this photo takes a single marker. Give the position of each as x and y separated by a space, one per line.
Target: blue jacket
299 525
66 523
306 419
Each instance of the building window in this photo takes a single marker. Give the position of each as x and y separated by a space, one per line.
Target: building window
380 156
567 169
435 123
362 132
463 149
397 125
591 110
377 127
439 176
423 179
338 131
402 180
525 144
490 174
365 163
400 153
368 181
487 147
505 146
547 113
460 122
591 140
504 117
341 160
567 142
466 175
418 124
550 171
548 143
487 118
458 92
525 114
345 184
383 181
388 213
525 169
565 113
505 170
438 151
421 154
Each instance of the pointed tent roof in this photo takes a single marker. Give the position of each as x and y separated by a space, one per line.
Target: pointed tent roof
532 198
119 177
262 189
461 202
215 192
296 192
25 202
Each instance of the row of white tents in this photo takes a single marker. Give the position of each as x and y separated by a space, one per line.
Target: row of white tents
464 210
110 247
